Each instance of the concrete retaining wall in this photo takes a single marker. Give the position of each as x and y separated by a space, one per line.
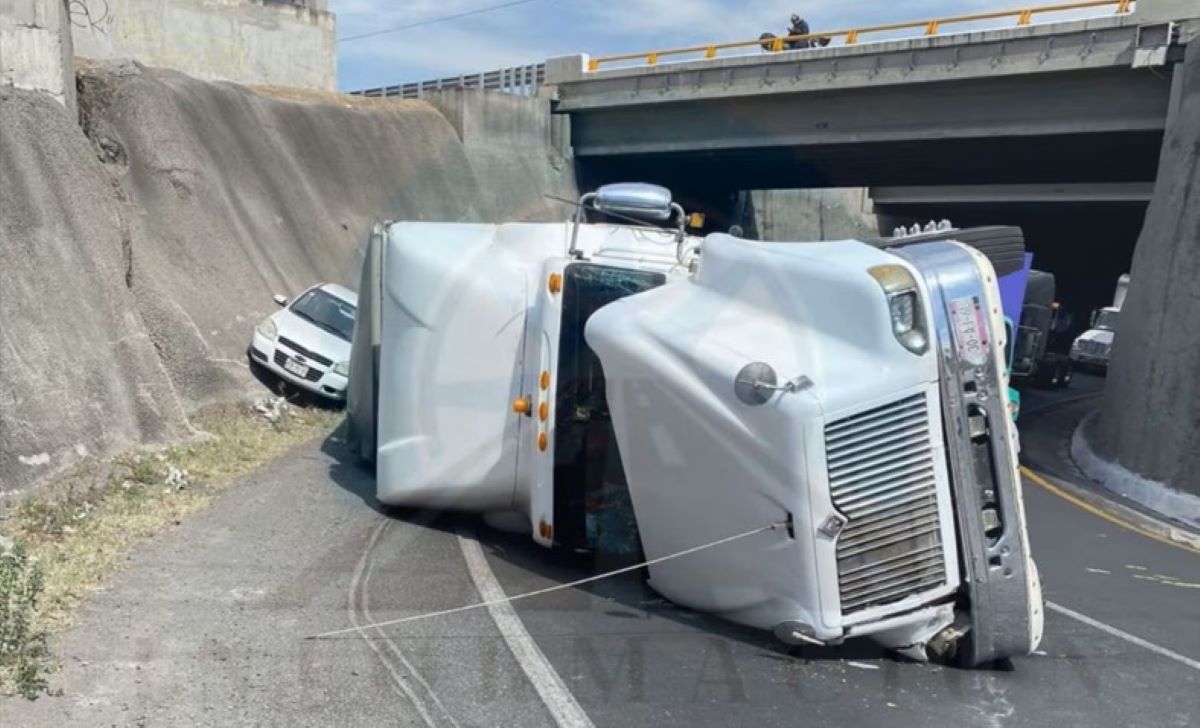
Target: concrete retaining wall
35 48
246 41
832 214
137 258
509 137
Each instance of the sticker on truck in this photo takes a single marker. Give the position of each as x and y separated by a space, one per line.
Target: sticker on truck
970 330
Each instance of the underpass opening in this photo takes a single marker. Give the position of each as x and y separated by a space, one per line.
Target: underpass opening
1086 245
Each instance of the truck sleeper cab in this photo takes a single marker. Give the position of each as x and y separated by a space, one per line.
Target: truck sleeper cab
619 386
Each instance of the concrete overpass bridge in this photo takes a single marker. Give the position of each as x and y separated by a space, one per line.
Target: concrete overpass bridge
1075 102
1033 117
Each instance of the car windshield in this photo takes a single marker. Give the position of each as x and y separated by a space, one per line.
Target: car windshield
328 312
1107 320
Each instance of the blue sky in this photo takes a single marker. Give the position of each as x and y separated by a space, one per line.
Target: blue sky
541 29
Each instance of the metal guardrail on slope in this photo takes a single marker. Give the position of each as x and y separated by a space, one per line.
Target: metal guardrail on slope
851 36
517 80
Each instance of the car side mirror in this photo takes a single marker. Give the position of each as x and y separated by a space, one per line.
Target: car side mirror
1095 315
280 299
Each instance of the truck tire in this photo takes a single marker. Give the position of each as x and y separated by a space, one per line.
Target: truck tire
1064 379
1003 245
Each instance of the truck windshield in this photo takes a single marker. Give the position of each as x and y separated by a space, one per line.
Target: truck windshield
328 312
1107 320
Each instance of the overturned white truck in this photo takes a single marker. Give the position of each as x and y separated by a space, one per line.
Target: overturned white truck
854 396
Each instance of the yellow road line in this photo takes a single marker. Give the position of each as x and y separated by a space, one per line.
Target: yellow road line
1079 502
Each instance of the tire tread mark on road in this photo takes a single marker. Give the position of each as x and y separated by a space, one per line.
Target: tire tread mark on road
399 685
394 648
557 697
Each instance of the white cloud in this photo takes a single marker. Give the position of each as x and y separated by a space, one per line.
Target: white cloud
544 28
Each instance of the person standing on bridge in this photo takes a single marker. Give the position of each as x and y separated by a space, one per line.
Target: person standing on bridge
799 26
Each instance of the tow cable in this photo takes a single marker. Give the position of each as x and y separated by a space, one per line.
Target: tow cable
558 587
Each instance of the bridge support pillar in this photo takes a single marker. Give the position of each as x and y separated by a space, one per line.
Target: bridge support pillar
1150 421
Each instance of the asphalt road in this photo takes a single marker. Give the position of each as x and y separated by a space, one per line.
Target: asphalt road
206 626
633 659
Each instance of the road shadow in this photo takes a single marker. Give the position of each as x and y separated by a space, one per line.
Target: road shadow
1048 422
629 594
356 476
633 598
349 471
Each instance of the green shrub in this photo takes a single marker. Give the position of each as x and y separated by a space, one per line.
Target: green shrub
22 645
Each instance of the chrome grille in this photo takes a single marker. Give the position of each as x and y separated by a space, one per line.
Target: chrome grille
881 478
306 353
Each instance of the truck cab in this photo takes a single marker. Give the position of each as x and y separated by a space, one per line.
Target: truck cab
627 387
1093 347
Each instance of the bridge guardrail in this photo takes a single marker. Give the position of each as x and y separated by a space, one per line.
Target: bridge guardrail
516 80
851 36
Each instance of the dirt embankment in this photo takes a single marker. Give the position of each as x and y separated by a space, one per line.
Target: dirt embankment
136 257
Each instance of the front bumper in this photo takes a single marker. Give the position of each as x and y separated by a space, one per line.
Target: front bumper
322 380
1093 360
1003 592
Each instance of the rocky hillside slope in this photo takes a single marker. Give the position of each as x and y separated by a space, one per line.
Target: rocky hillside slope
139 250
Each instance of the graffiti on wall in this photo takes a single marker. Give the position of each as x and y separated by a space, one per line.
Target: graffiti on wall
89 14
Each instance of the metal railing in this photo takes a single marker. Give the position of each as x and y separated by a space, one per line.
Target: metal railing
517 80
851 36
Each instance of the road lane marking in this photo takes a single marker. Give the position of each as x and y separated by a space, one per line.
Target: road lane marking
563 707
1121 634
1099 513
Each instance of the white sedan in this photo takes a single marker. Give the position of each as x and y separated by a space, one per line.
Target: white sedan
307 343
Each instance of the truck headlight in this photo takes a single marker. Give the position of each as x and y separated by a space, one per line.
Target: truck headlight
267 328
904 306
342 367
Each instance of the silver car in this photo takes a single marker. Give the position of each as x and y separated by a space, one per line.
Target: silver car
307 342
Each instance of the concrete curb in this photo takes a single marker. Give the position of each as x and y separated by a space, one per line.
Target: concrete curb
1172 504
1110 510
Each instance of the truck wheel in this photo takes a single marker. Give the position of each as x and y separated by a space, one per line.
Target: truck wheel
1003 245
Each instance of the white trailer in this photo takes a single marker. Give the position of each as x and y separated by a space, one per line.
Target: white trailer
854 397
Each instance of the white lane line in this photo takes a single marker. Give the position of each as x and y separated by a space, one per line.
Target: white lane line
399 684
1132 639
563 707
